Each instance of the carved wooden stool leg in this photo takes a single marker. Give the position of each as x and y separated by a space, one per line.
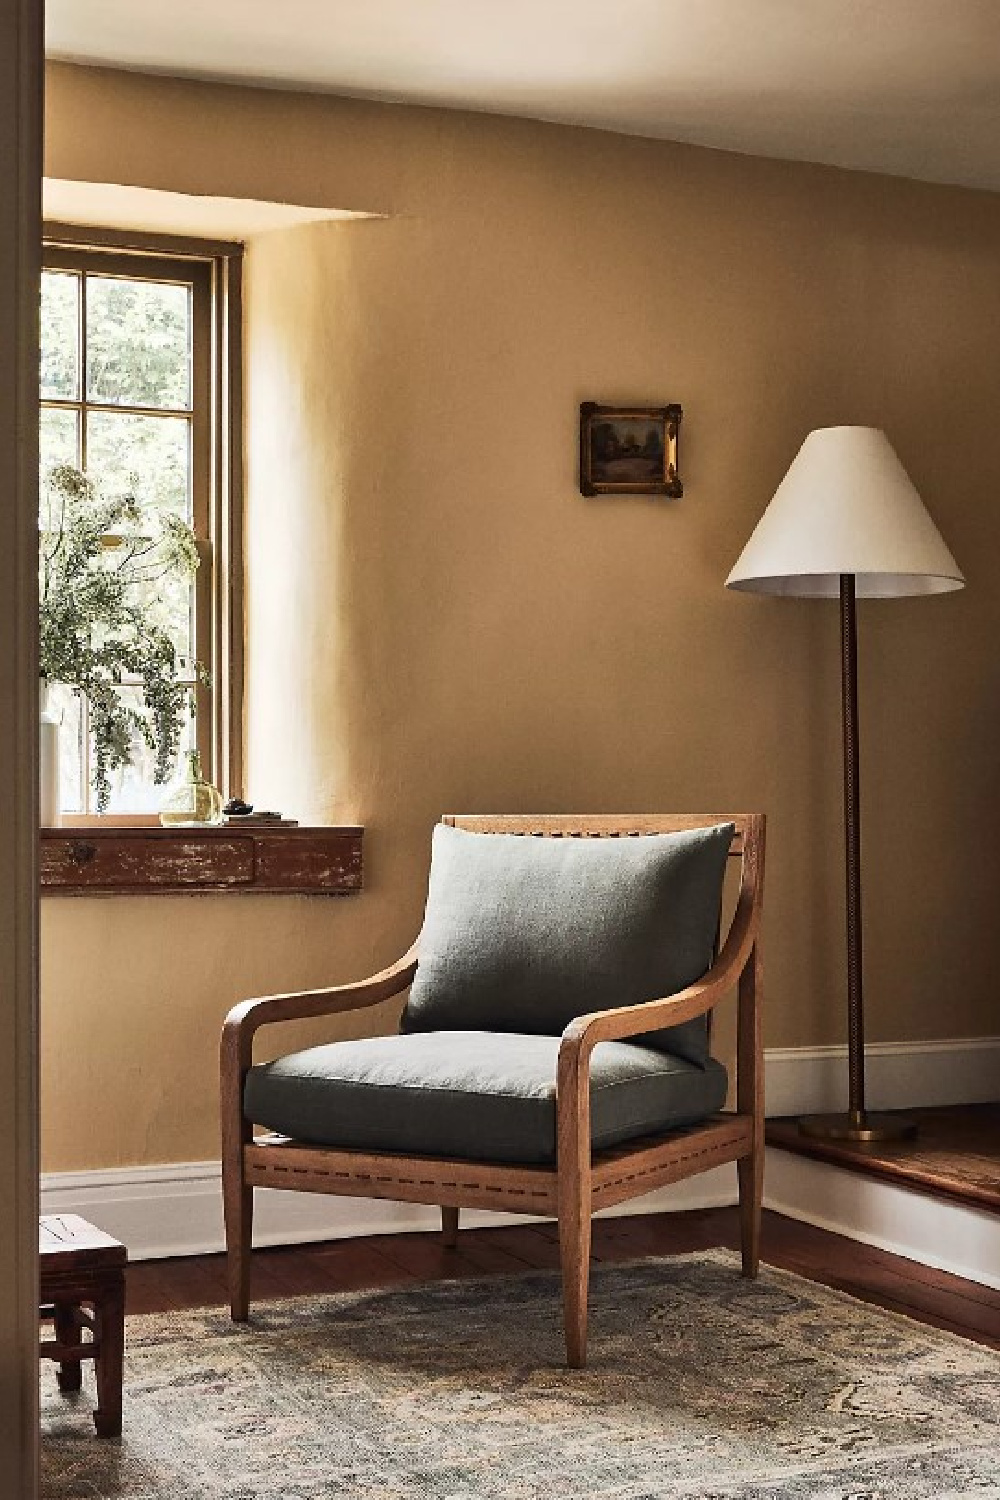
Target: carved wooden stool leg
449 1227
109 1330
67 1330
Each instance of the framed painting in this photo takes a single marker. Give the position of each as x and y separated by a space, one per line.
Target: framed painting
629 450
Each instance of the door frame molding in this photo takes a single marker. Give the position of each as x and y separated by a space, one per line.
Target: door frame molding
21 110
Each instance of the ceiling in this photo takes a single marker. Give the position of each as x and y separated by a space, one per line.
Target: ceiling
909 87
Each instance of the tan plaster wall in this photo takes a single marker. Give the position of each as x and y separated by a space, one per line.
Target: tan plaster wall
437 620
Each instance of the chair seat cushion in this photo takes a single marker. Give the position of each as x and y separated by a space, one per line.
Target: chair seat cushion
481 1096
523 934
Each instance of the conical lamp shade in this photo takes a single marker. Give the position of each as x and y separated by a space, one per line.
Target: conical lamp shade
846 505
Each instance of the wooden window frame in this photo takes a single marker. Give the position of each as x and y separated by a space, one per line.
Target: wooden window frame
218 462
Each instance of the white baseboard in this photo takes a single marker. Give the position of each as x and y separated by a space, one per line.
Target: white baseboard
177 1210
948 1236
898 1075
161 1211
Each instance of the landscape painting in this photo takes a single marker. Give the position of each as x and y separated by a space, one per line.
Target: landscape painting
629 450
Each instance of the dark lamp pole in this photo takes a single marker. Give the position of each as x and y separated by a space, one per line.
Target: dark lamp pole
858 1124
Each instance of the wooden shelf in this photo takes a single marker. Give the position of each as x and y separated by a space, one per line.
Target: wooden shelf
143 861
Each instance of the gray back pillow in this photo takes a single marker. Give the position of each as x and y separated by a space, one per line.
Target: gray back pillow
521 934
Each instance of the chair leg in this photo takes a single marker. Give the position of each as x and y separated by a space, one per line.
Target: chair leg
237 1201
449 1226
574 1254
750 1171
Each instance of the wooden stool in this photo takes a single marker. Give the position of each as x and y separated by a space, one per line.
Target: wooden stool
83 1265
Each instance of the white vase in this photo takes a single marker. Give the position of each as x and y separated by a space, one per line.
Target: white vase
48 761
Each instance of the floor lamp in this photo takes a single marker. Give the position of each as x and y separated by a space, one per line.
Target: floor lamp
846 521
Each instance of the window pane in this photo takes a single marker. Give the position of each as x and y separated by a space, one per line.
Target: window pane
138 342
171 606
66 703
168 601
60 334
133 789
58 438
150 454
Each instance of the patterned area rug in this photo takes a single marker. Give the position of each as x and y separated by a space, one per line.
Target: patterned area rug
700 1385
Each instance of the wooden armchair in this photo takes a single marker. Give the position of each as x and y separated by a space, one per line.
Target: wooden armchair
582 1180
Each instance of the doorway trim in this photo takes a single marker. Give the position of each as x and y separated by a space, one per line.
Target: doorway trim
21 93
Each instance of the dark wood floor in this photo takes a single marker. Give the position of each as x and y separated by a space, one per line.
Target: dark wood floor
900 1285
955 1154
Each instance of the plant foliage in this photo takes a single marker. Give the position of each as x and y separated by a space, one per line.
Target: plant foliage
102 561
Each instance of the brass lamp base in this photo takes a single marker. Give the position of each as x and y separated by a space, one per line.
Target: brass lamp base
859 1126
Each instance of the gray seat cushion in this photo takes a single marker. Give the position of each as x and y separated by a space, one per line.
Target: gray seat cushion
522 934
481 1096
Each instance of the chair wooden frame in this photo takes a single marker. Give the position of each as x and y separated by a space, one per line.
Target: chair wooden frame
582 1181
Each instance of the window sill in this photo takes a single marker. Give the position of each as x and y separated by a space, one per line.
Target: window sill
141 860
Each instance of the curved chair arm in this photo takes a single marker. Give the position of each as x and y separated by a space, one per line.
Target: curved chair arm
700 997
582 1035
236 1058
246 1019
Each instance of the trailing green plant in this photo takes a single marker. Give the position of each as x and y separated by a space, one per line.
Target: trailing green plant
102 563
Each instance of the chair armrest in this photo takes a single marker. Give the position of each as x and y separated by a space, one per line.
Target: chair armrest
584 1032
246 1019
652 1015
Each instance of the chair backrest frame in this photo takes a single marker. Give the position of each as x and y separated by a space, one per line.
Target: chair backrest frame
747 845
607 825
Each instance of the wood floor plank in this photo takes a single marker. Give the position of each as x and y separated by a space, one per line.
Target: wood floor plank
489 1258
914 1270
427 1258
874 1275
538 1248
891 1286
347 1265
160 1286
627 1236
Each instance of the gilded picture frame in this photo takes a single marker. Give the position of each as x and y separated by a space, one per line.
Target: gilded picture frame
629 450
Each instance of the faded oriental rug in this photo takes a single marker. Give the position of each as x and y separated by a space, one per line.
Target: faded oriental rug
700 1385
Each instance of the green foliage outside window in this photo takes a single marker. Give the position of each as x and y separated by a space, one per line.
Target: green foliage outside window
105 569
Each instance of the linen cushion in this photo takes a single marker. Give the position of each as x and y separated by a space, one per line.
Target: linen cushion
522 934
481 1096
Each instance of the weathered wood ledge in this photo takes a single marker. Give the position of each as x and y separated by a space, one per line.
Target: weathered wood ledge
141 861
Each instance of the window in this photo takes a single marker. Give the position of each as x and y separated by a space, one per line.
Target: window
139 388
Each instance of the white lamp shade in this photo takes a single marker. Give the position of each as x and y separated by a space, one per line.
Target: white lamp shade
846 505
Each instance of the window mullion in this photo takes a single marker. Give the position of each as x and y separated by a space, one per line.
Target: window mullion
83 372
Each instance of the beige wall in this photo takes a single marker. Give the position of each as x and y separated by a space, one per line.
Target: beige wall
438 620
